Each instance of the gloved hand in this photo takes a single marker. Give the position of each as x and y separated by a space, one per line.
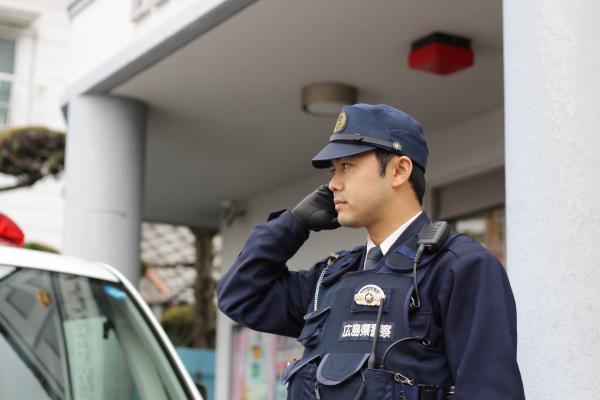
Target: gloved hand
317 211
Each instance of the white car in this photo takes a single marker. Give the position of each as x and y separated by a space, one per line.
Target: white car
76 330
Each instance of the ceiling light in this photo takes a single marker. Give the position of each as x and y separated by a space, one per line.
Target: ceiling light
327 98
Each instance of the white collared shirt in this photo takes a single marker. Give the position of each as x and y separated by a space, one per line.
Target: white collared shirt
391 239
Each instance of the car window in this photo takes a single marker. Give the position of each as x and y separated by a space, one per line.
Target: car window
71 337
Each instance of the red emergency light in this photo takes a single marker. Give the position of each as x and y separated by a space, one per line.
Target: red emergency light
441 53
10 233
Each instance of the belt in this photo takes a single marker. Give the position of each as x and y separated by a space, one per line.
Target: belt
426 392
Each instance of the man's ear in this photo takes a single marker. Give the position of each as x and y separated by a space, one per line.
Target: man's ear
400 168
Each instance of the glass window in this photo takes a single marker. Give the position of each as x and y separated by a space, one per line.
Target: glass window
7 64
7 56
475 206
487 227
71 337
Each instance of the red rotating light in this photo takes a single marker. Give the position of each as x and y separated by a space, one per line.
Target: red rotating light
10 233
441 53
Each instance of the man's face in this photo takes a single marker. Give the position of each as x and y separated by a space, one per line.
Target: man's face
360 192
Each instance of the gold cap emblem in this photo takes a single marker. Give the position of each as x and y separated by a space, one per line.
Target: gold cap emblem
370 295
340 124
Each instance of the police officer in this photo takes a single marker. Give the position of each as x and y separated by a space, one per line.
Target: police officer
416 314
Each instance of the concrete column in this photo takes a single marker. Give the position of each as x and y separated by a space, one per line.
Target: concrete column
104 178
552 98
224 367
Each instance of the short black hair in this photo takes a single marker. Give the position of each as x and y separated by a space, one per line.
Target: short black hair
417 176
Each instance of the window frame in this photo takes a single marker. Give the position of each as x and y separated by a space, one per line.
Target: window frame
11 35
23 72
76 6
142 8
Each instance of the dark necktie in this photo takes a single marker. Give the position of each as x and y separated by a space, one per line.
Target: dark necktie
373 257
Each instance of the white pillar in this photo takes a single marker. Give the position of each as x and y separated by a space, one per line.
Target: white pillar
224 357
552 103
104 171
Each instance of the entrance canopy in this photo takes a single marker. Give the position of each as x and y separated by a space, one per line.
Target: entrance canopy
225 119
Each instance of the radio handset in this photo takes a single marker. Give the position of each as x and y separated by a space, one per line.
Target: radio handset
433 235
431 239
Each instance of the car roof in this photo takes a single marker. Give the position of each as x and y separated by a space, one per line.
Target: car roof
17 257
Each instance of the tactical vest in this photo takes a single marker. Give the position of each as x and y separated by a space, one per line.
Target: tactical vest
339 332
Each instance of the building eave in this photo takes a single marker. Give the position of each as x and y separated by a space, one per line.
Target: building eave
151 47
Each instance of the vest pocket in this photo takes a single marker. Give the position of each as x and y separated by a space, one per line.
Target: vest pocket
300 376
313 327
420 323
341 376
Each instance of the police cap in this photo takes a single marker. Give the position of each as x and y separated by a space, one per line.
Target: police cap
364 127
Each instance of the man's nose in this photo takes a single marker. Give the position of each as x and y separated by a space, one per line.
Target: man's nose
334 183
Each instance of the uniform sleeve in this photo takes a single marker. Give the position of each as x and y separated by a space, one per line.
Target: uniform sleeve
480 329
259 291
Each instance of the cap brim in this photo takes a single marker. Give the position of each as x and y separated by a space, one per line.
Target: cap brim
335 150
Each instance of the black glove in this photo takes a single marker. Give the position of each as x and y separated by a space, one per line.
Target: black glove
317 211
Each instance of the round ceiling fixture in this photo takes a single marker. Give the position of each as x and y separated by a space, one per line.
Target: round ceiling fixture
327 98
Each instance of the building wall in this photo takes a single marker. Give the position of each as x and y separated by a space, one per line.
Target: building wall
113 18
40 59
466 149
40 79
38 210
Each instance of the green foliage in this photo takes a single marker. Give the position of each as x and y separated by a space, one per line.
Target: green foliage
178 322
31 153
40 247
145 266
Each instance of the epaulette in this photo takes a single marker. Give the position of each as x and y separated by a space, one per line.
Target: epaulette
340 263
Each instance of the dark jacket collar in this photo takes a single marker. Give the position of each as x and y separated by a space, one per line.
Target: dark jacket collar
409 233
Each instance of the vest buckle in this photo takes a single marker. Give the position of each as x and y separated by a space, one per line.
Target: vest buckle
398 377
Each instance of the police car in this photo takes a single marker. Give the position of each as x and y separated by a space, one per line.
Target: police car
72 329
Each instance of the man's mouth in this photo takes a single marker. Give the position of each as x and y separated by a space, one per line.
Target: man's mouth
338 203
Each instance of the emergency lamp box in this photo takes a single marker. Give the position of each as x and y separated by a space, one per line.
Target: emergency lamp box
441 54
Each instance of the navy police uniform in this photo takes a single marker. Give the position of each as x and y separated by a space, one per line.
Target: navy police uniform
364 337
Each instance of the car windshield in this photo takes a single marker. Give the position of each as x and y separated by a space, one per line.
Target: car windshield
71 337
